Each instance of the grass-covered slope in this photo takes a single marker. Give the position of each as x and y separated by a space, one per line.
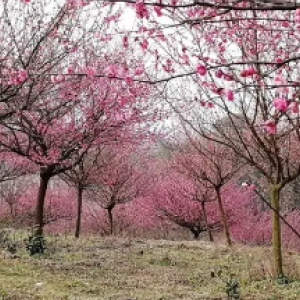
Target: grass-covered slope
119 269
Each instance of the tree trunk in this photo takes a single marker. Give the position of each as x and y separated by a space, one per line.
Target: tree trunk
223 218
195 233
211 239
276 230
79 211
110 220
39 222
12 215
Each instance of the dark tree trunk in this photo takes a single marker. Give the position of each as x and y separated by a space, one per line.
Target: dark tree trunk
110 221
39 222
276 230
12 214
211 239
196 233
79 211
110 217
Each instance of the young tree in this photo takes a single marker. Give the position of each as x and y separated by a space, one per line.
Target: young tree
261 129
185 202
178 198
83 177
67 108
39 42
212 166
120 181
10 193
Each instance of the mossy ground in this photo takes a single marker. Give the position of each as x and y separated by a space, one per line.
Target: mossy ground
121 269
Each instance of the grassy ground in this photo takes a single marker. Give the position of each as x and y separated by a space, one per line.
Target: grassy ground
120 269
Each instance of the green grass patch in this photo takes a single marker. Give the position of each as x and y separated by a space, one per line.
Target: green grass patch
118 269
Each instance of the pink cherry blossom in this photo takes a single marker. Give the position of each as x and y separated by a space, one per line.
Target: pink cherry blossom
201 69
141 9
129 79
125 42
69 69
251 71
122 101
144 44
229 94
252 186
294 107
57 78
219 74
280 103
297 15
90 71
75 3
248 72
270 126
157 10
139 70
279 80
18 76
185 58
111 71
22 75
244 73
228 77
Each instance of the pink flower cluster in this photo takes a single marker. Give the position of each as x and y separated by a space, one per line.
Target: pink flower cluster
281 103
297 15
18 76
141 9
125 42
139 70
229 94
269 126
158 9
90 71
112 71
58 78
201 69
221 74
294 106
207 104
75 3
248 72
144 44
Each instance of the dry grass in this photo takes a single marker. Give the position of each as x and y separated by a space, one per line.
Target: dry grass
122 269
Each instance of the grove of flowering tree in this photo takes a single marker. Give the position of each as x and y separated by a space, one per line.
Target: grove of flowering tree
62 116
74 72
